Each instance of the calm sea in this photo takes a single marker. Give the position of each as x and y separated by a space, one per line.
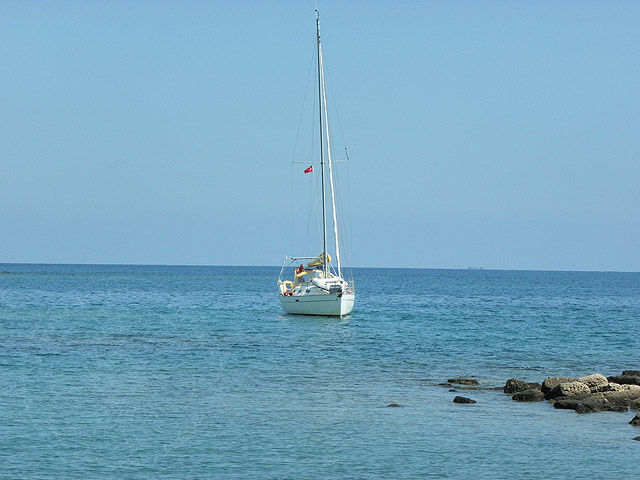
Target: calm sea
147 372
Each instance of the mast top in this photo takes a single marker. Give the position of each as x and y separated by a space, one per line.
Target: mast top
318 25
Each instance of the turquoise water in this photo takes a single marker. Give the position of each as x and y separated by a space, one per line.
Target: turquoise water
193 372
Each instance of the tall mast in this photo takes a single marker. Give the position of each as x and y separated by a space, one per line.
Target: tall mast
329 162
325 266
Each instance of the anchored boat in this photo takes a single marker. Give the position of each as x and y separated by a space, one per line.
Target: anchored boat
316 285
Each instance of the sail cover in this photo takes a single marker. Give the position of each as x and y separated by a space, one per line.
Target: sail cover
319 261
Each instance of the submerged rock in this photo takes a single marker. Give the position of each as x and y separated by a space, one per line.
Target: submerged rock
464 381
394 405
460 399
635 421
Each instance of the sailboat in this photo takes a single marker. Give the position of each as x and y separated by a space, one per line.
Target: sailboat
319 287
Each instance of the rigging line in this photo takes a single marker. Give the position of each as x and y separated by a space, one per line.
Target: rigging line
304 102
293 223
335 109
350 231
343 221
312 214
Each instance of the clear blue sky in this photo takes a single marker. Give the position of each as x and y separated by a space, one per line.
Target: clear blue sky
501 134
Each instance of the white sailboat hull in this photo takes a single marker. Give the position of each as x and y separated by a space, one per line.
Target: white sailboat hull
327 304
319 288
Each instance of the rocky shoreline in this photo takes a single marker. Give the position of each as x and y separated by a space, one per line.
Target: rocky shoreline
590 394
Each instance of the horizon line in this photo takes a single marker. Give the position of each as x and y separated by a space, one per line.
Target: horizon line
469 268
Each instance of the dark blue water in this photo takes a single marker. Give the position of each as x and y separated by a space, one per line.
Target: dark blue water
194 372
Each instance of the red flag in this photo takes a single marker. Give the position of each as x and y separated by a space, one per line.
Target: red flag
309 170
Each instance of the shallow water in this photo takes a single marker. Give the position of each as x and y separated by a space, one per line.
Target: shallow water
194 372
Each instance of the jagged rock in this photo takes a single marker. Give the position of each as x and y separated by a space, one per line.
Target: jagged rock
551 382
460 399
594 381
633 373
635 421
530 395
514 385
625 379
464 381
568 389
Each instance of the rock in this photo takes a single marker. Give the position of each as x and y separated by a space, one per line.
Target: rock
567 404
464 381
585 408
568 389
615 408
625 379
628 388
616 387
610 401
637 438
607 387
453 390
514 385
529 395
588 404
394 405
460 399
623 398
551 382
594 381
635 421
633 373
591 408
